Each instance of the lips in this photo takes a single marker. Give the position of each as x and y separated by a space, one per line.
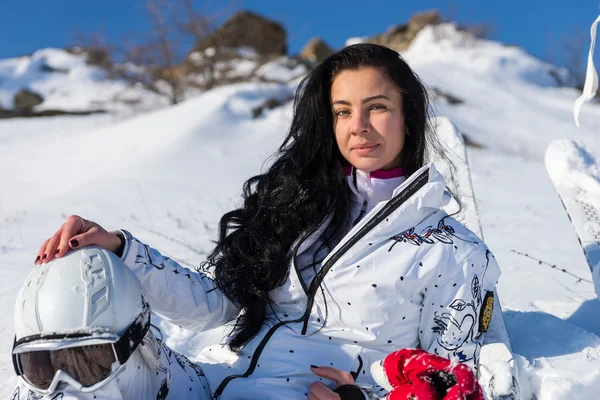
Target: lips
365 146
365 149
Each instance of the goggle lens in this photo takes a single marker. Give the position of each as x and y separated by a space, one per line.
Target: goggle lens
88 365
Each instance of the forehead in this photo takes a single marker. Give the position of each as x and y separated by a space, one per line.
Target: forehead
361 83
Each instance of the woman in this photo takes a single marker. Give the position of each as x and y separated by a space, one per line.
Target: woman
340 253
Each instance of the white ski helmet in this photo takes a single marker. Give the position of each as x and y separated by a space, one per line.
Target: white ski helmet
78 319
85 290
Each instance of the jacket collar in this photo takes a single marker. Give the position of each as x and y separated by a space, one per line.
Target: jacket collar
424 202
374 187
428 199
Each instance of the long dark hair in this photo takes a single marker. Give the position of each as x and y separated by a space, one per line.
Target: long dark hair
304 185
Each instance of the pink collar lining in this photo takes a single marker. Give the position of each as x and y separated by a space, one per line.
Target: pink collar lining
379 174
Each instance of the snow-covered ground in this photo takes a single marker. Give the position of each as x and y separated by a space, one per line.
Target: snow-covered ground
169 175
68 83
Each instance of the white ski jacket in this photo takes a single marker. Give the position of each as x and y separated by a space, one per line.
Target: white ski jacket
406 275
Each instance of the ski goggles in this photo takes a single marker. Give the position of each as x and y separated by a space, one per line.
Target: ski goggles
86 361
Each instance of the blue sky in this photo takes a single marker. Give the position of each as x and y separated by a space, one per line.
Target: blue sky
535 25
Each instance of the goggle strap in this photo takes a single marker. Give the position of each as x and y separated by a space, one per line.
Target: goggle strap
134 334
14 358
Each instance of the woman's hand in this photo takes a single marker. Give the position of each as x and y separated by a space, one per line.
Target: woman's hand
318 390
76 232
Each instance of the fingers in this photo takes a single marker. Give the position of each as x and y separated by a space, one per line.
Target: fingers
74 226
41 253
51 248
67 237
75 233
88 238
321 392
57 245
334 374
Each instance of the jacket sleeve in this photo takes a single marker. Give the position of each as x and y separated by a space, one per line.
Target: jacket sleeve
182 296
458 305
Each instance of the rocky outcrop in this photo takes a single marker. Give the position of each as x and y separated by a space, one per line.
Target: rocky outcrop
247 29
26 99
315 50
270 104
400 37
5 114
97 56
451 99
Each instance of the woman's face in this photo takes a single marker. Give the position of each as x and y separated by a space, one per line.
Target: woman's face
368 119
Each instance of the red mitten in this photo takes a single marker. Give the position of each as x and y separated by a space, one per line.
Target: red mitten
414 374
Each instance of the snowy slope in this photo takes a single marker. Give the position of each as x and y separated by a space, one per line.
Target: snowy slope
67 82
167 176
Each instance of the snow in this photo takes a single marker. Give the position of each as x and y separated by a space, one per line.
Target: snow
278 70
66 82
356 40
168 176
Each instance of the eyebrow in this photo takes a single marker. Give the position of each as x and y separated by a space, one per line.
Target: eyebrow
366 100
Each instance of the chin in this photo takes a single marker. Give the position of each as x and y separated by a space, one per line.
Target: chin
366 165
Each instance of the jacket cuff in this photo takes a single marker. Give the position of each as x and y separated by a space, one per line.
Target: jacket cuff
126 244
350 392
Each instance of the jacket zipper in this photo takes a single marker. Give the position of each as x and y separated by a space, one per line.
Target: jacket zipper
361 213
390 207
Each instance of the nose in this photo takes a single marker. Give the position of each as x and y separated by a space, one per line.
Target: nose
361 124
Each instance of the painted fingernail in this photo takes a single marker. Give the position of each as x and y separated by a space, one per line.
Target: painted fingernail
57 251
314 366
37 259
74 242
44 256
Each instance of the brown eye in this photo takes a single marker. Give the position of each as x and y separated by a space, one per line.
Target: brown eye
378 107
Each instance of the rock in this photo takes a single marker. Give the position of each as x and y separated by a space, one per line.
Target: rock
451 99
3 112
422 19
400 37
26 99
315 50
269 104
247 29
97 56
